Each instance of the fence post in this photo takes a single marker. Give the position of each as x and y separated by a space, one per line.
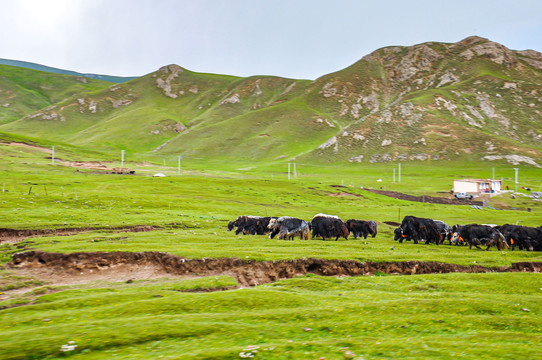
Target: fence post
516 178
179 166
288 171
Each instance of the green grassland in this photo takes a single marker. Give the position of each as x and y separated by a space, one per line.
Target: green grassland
310 317
419 316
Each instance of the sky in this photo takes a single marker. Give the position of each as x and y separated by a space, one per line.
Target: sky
301 39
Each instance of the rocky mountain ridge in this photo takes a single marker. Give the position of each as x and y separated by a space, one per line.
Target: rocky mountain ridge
440 93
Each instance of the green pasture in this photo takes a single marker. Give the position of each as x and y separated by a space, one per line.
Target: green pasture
496 315
486 316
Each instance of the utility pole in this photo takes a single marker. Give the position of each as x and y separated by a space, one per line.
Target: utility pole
295 172
53 156
122 159
399 173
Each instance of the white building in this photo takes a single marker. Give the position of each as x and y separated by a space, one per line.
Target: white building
477 186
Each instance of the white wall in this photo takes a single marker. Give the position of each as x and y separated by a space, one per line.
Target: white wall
464 186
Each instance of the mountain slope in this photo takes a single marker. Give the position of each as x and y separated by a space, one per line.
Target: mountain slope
473 100
33 66
25 91
436 101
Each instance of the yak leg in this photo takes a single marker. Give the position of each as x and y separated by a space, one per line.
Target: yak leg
416 237
477 243
490 244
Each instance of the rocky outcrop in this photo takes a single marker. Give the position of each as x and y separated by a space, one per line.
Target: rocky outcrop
233 99
331 142
493 51
172 71
419 58
169 126
532 58
513 159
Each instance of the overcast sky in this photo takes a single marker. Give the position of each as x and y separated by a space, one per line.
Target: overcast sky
301 39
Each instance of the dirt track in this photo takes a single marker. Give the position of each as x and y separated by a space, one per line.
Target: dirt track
85 267
425 198
16 235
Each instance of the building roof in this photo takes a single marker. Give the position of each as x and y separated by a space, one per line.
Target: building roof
479 180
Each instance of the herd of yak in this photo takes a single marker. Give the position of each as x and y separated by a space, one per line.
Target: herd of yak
412 228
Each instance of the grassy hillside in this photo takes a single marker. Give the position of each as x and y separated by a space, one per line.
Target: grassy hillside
33 66
474 100
439 101
24 91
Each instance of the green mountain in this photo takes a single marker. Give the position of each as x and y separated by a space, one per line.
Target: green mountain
473 100
24 92
29 65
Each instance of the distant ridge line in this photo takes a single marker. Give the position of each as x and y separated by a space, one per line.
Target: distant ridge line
34 66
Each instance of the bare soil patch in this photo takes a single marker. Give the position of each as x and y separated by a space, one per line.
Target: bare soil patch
425 198
47 150
13 236
344 194
91 266
91 165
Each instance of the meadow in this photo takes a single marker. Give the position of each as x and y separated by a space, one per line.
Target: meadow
493 315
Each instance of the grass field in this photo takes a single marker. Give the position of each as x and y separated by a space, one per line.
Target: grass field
494 315
436 316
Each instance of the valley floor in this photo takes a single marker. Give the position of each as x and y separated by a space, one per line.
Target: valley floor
85 285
